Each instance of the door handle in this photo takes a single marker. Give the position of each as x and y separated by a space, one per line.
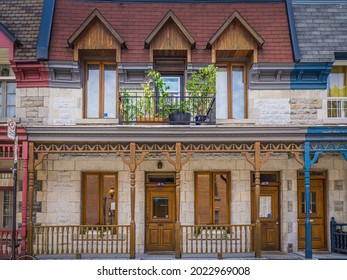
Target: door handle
277 223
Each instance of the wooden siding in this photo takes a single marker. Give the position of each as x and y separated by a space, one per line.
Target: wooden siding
96 37
237 41
170 38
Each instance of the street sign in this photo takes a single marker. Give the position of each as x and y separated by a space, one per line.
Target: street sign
11 129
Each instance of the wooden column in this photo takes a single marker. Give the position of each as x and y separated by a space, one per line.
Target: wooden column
178 201
132 167
24 197
257 234
31 182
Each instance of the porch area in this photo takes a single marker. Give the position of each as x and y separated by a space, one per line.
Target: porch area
89 240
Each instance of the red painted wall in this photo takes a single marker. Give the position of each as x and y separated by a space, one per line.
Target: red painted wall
134 22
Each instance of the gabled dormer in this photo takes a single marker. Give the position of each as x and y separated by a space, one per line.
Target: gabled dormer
170 38
96 37
235 39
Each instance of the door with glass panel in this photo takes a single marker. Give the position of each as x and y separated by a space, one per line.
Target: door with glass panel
317 214
100 90
231 93
268 210
160 212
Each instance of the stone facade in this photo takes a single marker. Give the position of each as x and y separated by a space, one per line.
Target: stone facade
61 177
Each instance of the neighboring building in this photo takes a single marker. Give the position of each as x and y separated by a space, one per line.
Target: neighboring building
105 177
19 28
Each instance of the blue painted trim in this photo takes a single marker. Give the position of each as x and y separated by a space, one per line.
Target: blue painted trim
327 133
292 29
340 55
308 224
9 34
310 75
45 30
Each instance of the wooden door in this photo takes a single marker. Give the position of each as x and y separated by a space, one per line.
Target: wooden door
269 217
317 214
160 219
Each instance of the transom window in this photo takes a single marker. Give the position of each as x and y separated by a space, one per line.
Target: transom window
212 198
100 90
231 97
337 97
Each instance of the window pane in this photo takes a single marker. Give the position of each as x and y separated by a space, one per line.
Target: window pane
160 207
265 208
110 91
109 183
93 91
203 200
6 209
10 99
238 99
334 109
222 93
174 85
337 82
220 199
92 200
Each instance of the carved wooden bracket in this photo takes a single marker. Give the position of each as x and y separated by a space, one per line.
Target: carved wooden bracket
41 157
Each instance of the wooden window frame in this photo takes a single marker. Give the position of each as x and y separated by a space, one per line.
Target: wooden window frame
3 85
115 198
229 66
212 207
8 188
101 64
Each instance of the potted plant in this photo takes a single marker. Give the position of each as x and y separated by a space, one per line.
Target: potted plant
149 107
180 113
201 87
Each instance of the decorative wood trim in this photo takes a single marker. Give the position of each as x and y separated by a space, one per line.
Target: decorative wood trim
39 160
96 33
260 41
166 18
237 38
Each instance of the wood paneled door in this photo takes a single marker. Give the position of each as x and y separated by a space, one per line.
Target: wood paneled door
269 211
317 214
160 217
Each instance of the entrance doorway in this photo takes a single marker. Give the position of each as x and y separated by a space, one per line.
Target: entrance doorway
317 213
269 210
160 212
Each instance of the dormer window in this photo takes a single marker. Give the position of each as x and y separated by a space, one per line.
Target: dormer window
97 46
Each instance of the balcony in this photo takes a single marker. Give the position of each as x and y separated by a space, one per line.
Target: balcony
179 109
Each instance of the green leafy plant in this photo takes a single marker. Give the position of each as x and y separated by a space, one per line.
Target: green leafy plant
128 108
201 86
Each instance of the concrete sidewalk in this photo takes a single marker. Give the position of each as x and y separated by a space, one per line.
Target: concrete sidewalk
245 256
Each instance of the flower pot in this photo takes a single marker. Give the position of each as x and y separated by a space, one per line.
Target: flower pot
200 119
179 118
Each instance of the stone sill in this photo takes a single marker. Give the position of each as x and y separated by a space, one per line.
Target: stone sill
335 121
4 120
97 121
236 122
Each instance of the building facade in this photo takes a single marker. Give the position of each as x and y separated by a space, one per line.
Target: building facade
111 171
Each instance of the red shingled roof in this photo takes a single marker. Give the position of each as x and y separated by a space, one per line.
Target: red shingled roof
134 22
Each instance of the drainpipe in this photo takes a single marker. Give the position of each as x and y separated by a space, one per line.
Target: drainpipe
308 224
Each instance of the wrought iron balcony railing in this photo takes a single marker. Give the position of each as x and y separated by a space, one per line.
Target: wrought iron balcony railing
138 108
